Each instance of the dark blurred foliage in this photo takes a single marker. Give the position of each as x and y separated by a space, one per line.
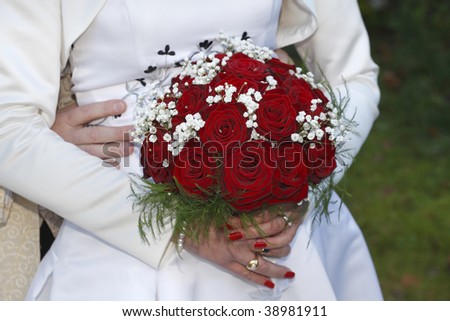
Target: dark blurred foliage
400 181
411 42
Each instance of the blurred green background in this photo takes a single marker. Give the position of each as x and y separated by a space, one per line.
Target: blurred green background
399 184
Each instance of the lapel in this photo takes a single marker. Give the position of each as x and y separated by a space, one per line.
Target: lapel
298 21
76 16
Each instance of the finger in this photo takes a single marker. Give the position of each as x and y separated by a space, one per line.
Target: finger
292 210
274 252
297 212
94 111
282 239
265 268
266 229
262 215
269 223
102 134
278 246
108 150
117 149
258 217
253 277
111 162
272 270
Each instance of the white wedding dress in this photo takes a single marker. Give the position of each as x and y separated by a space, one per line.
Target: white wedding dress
132 43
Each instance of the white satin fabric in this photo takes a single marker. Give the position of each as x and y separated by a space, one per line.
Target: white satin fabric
332 263
36 42
34 161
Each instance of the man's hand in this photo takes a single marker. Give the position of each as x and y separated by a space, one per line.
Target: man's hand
105 142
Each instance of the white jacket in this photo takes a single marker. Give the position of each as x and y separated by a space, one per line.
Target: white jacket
36 163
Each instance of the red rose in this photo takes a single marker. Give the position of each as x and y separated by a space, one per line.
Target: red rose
290 180
225 125
280 70
248 175
276 116
153 159
300 93
192 101
243 66
320 159
195 171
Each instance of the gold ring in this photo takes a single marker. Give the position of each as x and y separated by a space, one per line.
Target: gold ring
253 264
287 220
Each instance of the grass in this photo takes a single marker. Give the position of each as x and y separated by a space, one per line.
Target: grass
400 181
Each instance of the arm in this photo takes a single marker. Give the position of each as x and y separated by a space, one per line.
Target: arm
37 163
340 48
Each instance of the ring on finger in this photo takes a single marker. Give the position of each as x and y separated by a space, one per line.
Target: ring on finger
253 264
288 221
264 251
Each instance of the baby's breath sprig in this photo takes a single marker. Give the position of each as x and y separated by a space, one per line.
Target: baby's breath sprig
185 131
247 47
339 132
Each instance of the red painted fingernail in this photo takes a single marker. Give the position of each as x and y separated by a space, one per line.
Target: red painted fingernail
235 236
229 226
289 275
269 284
260 245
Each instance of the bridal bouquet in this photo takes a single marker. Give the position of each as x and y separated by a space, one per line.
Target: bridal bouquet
237 130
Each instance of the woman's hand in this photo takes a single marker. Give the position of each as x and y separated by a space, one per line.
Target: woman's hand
241 247
276 229
236 257
105 142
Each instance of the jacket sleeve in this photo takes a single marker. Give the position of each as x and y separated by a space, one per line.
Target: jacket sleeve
34 161
340 49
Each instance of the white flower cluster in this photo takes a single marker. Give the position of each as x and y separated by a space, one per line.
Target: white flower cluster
311 126
153 112
247 47
149 112
272 82
250 100
223 93
337 131
203 70
308 77
184 132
